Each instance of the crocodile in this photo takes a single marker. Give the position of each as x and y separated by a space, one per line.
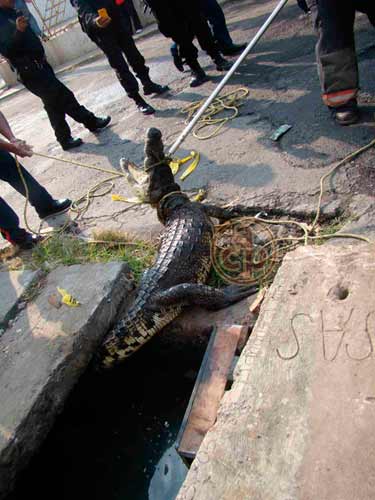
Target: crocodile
177 278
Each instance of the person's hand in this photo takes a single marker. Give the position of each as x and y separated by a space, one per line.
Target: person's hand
22 23
102 22
21 148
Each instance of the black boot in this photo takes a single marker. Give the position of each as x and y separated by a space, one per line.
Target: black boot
231 50
348 114
199 76
142 105
99 123
21 238
71 143
221 63
154 88
57 207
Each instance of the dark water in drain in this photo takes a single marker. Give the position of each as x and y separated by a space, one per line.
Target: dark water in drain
114 439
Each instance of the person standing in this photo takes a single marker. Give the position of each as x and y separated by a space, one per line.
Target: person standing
24 51
39 197
183 21
336 55
111 32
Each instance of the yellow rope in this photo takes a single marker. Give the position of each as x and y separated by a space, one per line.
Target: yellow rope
227 102
350 157
228 99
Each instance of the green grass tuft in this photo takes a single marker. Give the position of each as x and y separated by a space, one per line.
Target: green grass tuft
113 246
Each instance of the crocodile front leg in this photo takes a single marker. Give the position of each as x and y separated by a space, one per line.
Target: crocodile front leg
192 294
228 213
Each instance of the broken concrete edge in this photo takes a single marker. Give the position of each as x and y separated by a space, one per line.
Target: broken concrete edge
50 401
24 297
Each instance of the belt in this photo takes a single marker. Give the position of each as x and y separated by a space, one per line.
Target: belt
30 64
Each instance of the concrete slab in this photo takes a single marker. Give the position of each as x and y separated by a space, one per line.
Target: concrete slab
298 421
13 285
46 350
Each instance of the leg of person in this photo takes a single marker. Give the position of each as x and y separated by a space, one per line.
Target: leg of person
206 41
58 101
177 59
133 15
10 228
38 84
109 45
303 5
216 18
138 64
336 56
69 105
44 204
189 53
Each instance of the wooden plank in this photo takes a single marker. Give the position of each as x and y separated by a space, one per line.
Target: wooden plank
209 389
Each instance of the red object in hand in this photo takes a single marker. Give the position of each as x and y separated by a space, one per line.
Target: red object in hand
119 2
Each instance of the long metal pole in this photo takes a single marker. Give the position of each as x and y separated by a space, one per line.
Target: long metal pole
224 81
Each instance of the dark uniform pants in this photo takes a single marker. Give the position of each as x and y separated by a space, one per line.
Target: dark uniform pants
39 198
197 27
215 16
133 14
335 50
117 42
57 99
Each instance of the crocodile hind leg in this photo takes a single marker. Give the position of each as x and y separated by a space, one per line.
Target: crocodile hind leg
193 294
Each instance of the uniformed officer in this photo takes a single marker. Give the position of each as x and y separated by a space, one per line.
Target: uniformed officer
23 49
336 55
112 33
183 21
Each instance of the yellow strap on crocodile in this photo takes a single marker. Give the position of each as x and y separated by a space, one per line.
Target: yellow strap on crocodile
176 163
135 199
68 299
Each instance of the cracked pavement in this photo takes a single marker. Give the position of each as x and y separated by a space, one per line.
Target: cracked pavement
242 164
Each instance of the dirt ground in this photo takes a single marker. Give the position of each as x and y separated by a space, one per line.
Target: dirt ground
242 163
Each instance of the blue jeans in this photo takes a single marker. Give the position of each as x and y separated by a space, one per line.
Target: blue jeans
215 16
39 198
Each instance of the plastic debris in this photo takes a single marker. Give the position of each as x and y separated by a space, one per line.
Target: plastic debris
280 132
68 299
134 199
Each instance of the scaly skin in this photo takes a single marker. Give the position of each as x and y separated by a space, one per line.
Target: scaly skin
184 257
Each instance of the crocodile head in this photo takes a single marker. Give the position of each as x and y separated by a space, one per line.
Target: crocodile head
155 180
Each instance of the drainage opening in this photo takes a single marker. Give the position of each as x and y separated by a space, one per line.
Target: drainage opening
339 292
115 438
